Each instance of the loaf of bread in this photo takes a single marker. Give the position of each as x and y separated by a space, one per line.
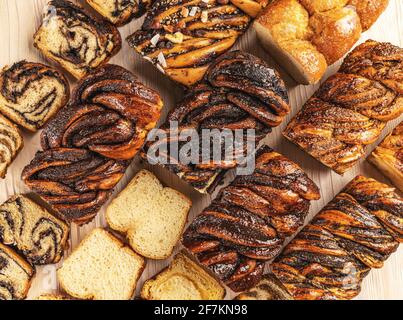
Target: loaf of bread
305 36
31 93
89 144
120 12
351 108
37 234
101 268
11 142
268 288
152 217
250 219
77 40
356 231
388 156
239 92
182 280
182 38
15 275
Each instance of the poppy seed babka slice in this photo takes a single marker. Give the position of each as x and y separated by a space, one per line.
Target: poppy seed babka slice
11 143
31 93
15 275
36 233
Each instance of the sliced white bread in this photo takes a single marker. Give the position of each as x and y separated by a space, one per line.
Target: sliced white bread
152 217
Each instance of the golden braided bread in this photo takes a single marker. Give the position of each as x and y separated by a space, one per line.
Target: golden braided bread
350 110
89 144
356 231
250 219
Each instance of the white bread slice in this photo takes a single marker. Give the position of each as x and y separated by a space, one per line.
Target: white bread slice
182 280
101 268
151 216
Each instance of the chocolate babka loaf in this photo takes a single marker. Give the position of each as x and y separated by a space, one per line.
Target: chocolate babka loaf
11 142
120 12
37 234
356 231
351 108
250 219
77 40
388 156
183 37
89 144
239 92
15 275
31 93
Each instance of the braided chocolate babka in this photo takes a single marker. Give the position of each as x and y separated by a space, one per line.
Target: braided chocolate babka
77 40
356 231
31 93
11 142
388 156
351 108
120 12
37 234
15 275
89 144
183 37
249 220
239 92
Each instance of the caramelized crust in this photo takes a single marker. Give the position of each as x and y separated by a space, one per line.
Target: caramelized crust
356 231
239 92
183 37
350 109
89 144
250 219
388 156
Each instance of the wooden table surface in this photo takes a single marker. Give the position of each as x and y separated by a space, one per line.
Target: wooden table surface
20 18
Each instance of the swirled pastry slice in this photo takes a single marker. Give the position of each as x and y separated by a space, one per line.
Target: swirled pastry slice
78 41
31 93
120 12
357 231
15 275
36 233
388 156
183 37
11 142
250 219
352 107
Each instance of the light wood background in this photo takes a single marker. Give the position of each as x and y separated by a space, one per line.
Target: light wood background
20 18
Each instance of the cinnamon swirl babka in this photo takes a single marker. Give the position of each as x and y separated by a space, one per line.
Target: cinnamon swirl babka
250 219
388 156
11 142
356 231
31 229
120 12
183 37
15 275
351 108
31 93
239 92
89 144
77 40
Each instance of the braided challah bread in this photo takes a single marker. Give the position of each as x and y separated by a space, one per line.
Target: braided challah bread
11 142
183 37
356 231
77 40
250 219
388 156
89 144
305 36
239 92
31 229
31 93
350 109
